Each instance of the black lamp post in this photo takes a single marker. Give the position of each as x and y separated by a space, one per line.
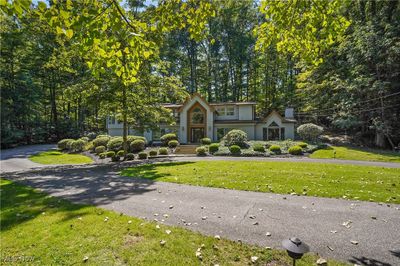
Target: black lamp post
295 248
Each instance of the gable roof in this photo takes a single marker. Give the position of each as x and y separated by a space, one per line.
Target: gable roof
190 97
283 119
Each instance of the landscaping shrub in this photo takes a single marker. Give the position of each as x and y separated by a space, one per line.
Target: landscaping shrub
296 150
85 139
100 149
91 135
235 149
121 153
201 151
101 141
130 156
173 144
102 155
302 144
214 147
236 137
110 154
142 155
115 144
153 153
77 145
132 138
137 145
115 158
309 131
167 138
163 151
205 141
275 149
63 144
104 136
258 147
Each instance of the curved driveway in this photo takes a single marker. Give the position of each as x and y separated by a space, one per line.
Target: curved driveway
328 225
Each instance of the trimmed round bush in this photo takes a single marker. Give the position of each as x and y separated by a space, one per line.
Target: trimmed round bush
275 149
115 158
205 141
130 156
91 135
102 155
63 144
163 151
302 144
153 153
236 137
99 149
214 147
121 153
110 154
259 148
167 138
101 141
137 145
235 149
296 150
115 144
132 138
309 131
142 155
77 145
201 151
173 144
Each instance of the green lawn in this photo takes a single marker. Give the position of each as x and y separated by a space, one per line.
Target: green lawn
51 231
348 153
56 157
313 179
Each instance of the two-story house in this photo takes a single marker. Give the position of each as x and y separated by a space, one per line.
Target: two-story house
196 118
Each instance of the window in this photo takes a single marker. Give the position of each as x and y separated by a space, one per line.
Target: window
230 110
220 111
225 111
282 133
197 116
156 134
221 132
111 120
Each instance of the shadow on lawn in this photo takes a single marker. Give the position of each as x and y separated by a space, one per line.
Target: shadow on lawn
20 204
149 171
85 184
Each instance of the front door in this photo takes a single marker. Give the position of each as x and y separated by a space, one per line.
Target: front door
196 134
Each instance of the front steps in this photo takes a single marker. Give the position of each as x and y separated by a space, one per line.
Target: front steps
186 149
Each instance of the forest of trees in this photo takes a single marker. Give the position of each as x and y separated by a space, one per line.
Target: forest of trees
351 84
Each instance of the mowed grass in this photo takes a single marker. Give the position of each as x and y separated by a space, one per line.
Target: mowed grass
45 230
348 153
313 179
56 157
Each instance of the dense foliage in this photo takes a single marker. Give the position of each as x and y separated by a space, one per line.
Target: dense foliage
66 66
235 137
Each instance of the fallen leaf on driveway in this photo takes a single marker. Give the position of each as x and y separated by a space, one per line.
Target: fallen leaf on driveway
354 242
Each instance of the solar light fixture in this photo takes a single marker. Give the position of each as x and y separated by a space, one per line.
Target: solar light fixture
295 248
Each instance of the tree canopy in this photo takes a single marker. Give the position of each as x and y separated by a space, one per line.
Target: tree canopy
67 64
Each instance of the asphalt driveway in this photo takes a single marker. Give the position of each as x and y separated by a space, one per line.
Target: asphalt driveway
359 232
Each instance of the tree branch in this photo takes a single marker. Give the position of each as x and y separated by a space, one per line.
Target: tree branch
124 17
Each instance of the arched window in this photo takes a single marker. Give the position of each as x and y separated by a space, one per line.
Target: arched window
197 116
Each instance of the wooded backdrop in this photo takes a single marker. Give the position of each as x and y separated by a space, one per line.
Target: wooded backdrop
348 82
